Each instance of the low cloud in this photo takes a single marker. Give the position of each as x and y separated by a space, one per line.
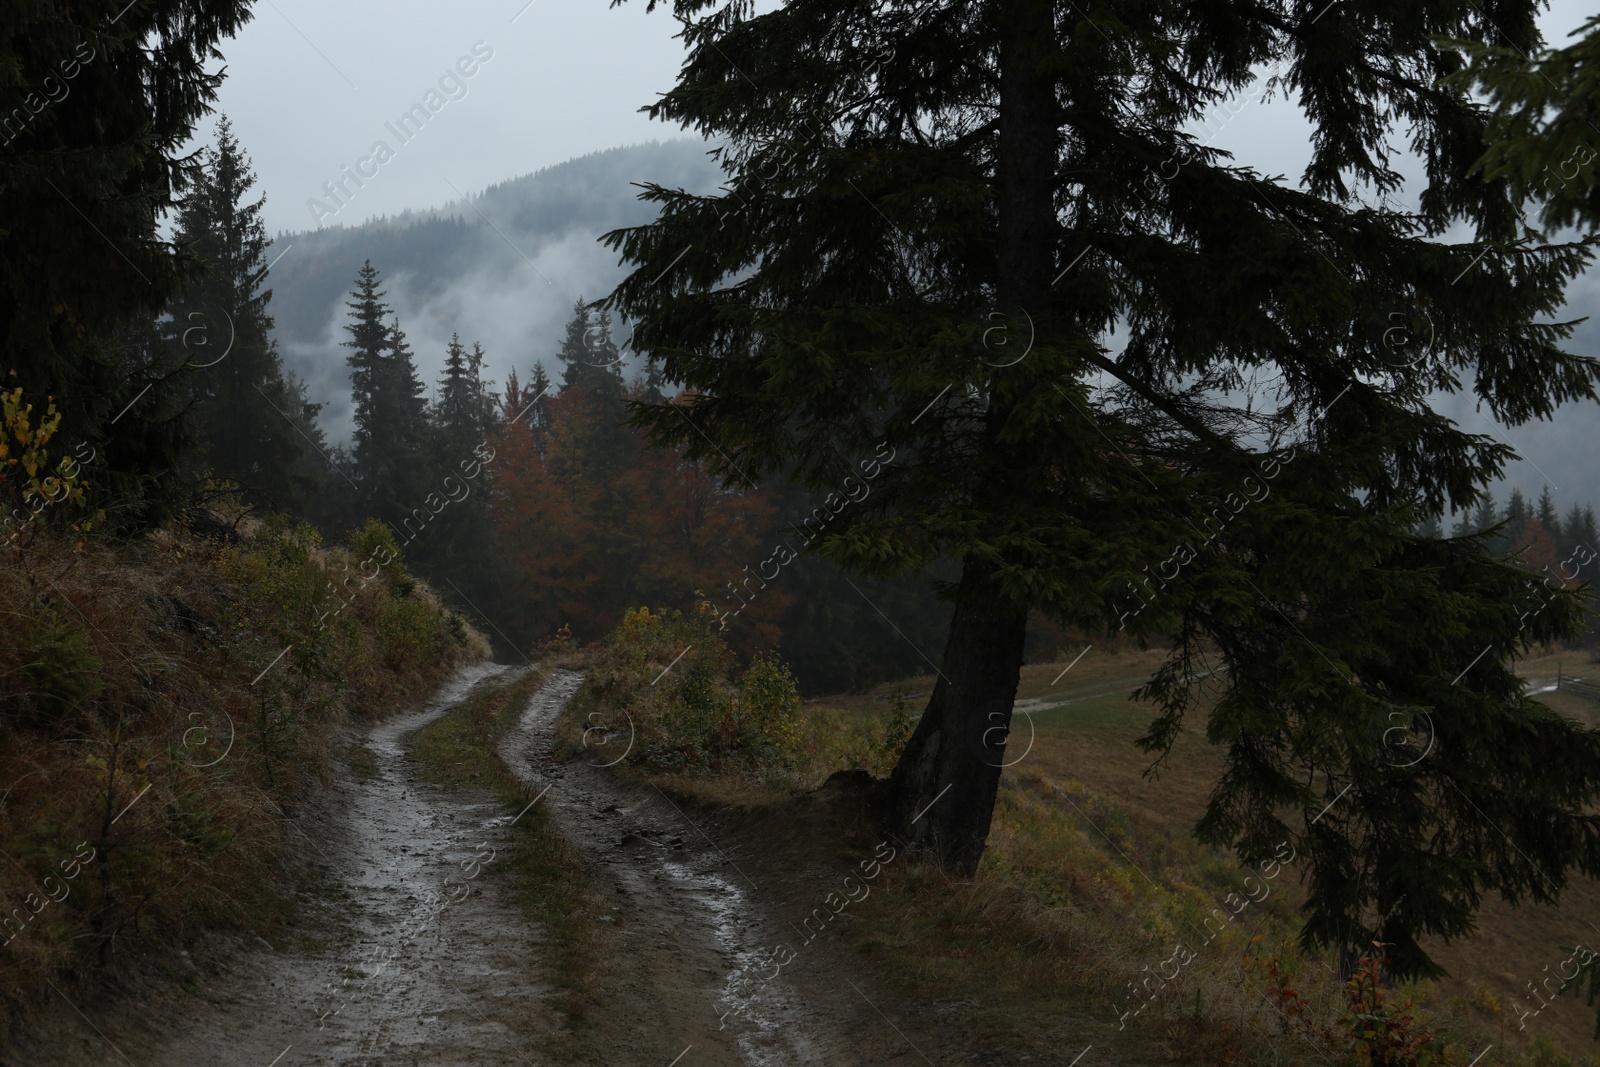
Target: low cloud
503 268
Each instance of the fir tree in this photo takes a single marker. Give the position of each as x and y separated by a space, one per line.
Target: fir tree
405 435
243 408
457 535
1517 515
369 339
654 383
589 357
1484 516
1570 532
1007 282
328 504
1585 555
88 178
461 412
525 407
1546 512
536 402
480 398
391 438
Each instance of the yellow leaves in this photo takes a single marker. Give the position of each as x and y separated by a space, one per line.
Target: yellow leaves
23 444
637 621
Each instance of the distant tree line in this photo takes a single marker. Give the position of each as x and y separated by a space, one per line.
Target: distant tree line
539 507
531 501
1563 546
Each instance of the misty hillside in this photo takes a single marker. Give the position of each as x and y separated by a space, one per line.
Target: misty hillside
503 267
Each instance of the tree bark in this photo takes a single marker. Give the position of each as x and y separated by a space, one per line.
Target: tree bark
941 796
943 791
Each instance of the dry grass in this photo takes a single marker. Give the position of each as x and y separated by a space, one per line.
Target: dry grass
1091 876
1490 971
154 726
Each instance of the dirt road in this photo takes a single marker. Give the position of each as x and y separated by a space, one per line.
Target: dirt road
437 966
689 944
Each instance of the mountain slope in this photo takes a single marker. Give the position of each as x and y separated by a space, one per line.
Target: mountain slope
502 267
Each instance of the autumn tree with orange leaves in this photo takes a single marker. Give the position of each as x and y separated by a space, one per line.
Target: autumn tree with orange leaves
591 522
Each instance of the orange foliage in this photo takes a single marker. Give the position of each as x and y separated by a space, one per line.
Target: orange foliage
594 521
1537 547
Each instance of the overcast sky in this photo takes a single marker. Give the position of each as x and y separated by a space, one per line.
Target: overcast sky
311 85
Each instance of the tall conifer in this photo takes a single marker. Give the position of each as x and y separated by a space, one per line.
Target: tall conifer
369 339
243 410
975 252
87 178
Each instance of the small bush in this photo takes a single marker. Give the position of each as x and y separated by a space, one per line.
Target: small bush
669 678
770 700
59 673
374 546
881 757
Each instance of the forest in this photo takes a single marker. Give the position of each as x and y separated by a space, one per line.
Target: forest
533 502
997 519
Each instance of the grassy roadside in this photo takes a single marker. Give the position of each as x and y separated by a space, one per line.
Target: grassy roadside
458 751
172 702
1092 879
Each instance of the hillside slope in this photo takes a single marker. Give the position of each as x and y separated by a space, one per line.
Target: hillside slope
172 702
502 267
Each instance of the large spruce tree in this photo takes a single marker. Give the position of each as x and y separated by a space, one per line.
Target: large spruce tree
98 102
1140 387
244 409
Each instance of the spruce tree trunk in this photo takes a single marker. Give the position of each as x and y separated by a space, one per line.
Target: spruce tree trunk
941 795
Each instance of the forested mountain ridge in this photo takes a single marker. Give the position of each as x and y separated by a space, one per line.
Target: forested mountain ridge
532 239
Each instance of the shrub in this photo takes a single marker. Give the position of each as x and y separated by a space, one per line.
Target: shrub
770 700
881 757
412 634
560 643
28 479
374 546
1385 1032
59 672
1374 1028
669 678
